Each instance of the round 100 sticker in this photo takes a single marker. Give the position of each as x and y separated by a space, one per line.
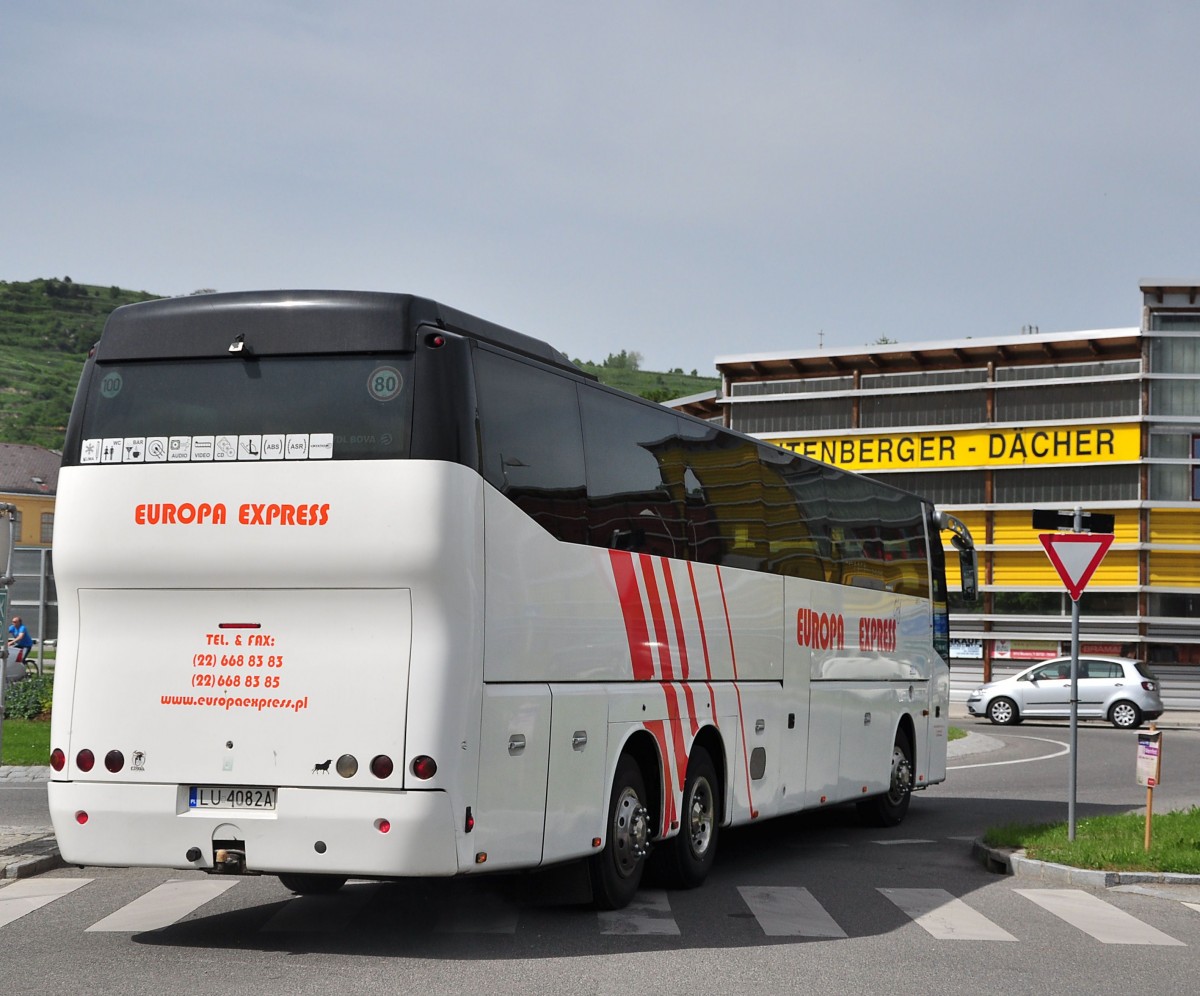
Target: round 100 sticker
384 383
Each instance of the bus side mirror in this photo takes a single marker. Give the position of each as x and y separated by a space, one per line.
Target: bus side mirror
968 568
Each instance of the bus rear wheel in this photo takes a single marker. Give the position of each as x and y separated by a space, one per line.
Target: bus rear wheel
616 872
889 809
313 885
689 855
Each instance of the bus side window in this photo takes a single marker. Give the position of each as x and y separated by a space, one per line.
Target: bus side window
629 450
532 448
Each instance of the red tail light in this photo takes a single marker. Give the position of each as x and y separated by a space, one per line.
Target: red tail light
424 767
85 760
1148 685
114 760
58 760
382 766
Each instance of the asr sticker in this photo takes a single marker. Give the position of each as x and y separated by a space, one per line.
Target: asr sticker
384 383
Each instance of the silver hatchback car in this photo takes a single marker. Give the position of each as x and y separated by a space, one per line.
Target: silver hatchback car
1118 689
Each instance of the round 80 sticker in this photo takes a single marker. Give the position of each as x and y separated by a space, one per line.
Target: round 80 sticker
384 383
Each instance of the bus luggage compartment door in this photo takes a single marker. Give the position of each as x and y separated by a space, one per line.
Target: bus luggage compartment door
514 747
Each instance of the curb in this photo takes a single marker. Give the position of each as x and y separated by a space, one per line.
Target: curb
26 867
1007 861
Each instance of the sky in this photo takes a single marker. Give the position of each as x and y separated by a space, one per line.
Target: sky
682 179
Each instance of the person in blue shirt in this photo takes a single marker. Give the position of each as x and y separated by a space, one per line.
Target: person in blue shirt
18 637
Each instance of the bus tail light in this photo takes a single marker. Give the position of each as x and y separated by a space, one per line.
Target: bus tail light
114 761
383 825
424 767
382 766
85 760
347 765
58 760
81 817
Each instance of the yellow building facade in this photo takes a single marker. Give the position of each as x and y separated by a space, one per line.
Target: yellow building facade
991 429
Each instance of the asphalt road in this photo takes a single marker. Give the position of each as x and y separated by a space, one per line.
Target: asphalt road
815 903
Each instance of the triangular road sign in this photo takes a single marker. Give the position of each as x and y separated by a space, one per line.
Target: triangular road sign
1076 556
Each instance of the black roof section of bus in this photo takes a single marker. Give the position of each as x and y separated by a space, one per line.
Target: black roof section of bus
307 321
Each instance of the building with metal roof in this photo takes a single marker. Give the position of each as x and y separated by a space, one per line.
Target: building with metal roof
992 428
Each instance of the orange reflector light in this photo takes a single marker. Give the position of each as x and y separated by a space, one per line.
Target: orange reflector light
481 857
597 842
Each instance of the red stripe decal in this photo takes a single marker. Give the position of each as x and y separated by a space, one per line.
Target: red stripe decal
655 726
738 692
680 641
700 621
656 614
681 756
634 614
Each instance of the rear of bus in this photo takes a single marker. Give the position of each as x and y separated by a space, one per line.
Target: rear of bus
264 578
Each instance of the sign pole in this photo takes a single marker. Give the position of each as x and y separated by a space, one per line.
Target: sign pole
1072 786
1075 557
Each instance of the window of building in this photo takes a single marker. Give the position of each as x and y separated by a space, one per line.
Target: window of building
47 527
1059 402
16 526
810 385
1062 371
924 378
1196 468
952 487
922 408
790 416
1101 483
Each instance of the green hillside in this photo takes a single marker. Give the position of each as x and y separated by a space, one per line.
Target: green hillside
46 328
48 325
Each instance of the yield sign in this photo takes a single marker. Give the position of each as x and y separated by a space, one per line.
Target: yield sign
1076 556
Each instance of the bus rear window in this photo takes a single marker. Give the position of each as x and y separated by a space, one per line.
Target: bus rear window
347 407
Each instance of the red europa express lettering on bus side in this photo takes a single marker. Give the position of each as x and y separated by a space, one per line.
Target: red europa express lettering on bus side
216 514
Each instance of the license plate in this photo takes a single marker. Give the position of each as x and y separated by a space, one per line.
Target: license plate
230 797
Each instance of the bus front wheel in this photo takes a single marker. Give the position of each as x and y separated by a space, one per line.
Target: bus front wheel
889 809
616 872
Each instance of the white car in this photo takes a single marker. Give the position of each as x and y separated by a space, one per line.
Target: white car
1119 689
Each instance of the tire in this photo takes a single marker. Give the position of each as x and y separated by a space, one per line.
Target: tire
889 809
616 872
1003 712
688 856
1124 715
313 885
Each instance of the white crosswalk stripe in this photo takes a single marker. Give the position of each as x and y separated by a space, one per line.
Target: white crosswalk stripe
162 906
789 912
649 913
945 917
28 894
776 911
1094 916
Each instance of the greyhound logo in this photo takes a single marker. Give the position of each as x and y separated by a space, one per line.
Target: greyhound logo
323 766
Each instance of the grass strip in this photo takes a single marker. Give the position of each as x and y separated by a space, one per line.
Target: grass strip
1111 843
26 741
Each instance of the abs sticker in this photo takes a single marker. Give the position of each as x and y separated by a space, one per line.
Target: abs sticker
384 383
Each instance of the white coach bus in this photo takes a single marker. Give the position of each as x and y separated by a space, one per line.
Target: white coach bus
355 584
